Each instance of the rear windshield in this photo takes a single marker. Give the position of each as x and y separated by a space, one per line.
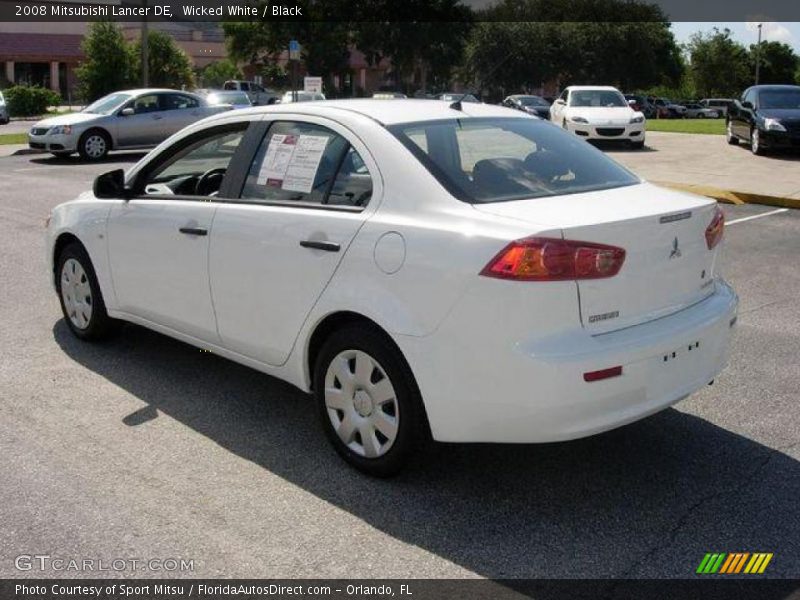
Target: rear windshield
482 160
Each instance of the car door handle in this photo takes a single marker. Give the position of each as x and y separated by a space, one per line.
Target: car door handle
193 230
320 245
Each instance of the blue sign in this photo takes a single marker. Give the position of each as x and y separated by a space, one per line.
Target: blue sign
294 46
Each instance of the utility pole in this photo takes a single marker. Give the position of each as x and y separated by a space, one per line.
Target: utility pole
758 54
145 50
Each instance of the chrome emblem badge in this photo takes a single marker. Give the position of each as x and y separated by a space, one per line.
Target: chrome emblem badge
676 251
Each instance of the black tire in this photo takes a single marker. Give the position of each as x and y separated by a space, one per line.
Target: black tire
756 147
90 149
61 154
99 325
412 426
637 145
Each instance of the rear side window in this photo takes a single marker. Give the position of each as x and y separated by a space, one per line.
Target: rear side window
496 159
307 163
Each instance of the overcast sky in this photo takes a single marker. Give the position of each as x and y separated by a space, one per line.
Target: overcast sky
746 33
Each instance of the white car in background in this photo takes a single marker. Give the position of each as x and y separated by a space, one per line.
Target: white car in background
4 116
301 96
598 113
469 273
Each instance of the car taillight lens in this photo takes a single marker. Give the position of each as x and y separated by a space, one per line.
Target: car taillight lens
552 259
715 229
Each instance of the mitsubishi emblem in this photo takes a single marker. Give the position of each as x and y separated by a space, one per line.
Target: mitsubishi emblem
676 251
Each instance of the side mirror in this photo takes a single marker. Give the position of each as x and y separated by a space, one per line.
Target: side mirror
631 102
111 186
748 105
127 112
560 101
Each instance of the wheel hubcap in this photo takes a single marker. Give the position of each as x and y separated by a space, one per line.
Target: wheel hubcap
95 146
76 293
361 403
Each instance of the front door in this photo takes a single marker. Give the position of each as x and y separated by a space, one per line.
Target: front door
158 241
145 125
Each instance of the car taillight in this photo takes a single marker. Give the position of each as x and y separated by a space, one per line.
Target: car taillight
715 229
552 259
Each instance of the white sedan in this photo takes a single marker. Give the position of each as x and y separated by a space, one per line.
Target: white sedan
467 273
598 113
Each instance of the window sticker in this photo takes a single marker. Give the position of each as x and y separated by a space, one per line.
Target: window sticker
291 162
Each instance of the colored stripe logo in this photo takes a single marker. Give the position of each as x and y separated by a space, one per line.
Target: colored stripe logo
734 562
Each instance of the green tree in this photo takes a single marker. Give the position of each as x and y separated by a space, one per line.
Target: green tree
779 63
105 68
719 65
169 65
521 44
217 73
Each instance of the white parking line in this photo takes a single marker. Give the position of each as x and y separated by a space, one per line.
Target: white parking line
766 214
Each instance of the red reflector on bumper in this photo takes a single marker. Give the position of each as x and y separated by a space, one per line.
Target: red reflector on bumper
603 374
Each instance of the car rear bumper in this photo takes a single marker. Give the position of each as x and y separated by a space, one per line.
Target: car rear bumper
633 132
532 388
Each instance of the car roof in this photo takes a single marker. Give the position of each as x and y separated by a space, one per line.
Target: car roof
581 88
392 111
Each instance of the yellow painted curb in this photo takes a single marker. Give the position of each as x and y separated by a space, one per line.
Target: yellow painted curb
730 196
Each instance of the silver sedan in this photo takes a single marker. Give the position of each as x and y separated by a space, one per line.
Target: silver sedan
127 120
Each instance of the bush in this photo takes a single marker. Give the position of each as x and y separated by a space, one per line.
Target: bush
24 101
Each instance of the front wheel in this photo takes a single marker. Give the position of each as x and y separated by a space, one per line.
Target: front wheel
637 145
732 139
368 400
79 293
755 142
94 145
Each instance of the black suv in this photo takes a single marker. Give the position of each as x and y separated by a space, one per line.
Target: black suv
767 117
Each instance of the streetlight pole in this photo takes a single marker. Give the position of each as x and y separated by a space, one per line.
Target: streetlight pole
758 54
145 50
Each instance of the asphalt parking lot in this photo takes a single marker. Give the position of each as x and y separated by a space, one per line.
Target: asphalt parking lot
144 447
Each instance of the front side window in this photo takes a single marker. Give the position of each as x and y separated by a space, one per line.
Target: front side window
299 162
198 168
483 160
145 104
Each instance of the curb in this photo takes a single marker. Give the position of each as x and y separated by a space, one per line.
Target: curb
730 196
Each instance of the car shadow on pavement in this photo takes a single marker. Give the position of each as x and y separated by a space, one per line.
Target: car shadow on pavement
646 500
75 159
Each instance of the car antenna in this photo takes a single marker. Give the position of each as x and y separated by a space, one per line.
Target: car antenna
457 104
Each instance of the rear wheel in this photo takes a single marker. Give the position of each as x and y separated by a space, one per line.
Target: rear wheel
79 293
732 139
94 145
368 401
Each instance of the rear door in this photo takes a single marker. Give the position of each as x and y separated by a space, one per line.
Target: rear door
308 189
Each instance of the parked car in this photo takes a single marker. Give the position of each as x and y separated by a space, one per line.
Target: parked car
301 96
598 113
697 111
534 105
767 117
415 266
667 109
453 96
641 104
389 96
127 120
719 104
4 116
258 94
234 99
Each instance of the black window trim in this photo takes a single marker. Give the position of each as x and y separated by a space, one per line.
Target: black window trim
259 133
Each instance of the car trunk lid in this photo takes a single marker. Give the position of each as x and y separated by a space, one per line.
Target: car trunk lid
668 265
